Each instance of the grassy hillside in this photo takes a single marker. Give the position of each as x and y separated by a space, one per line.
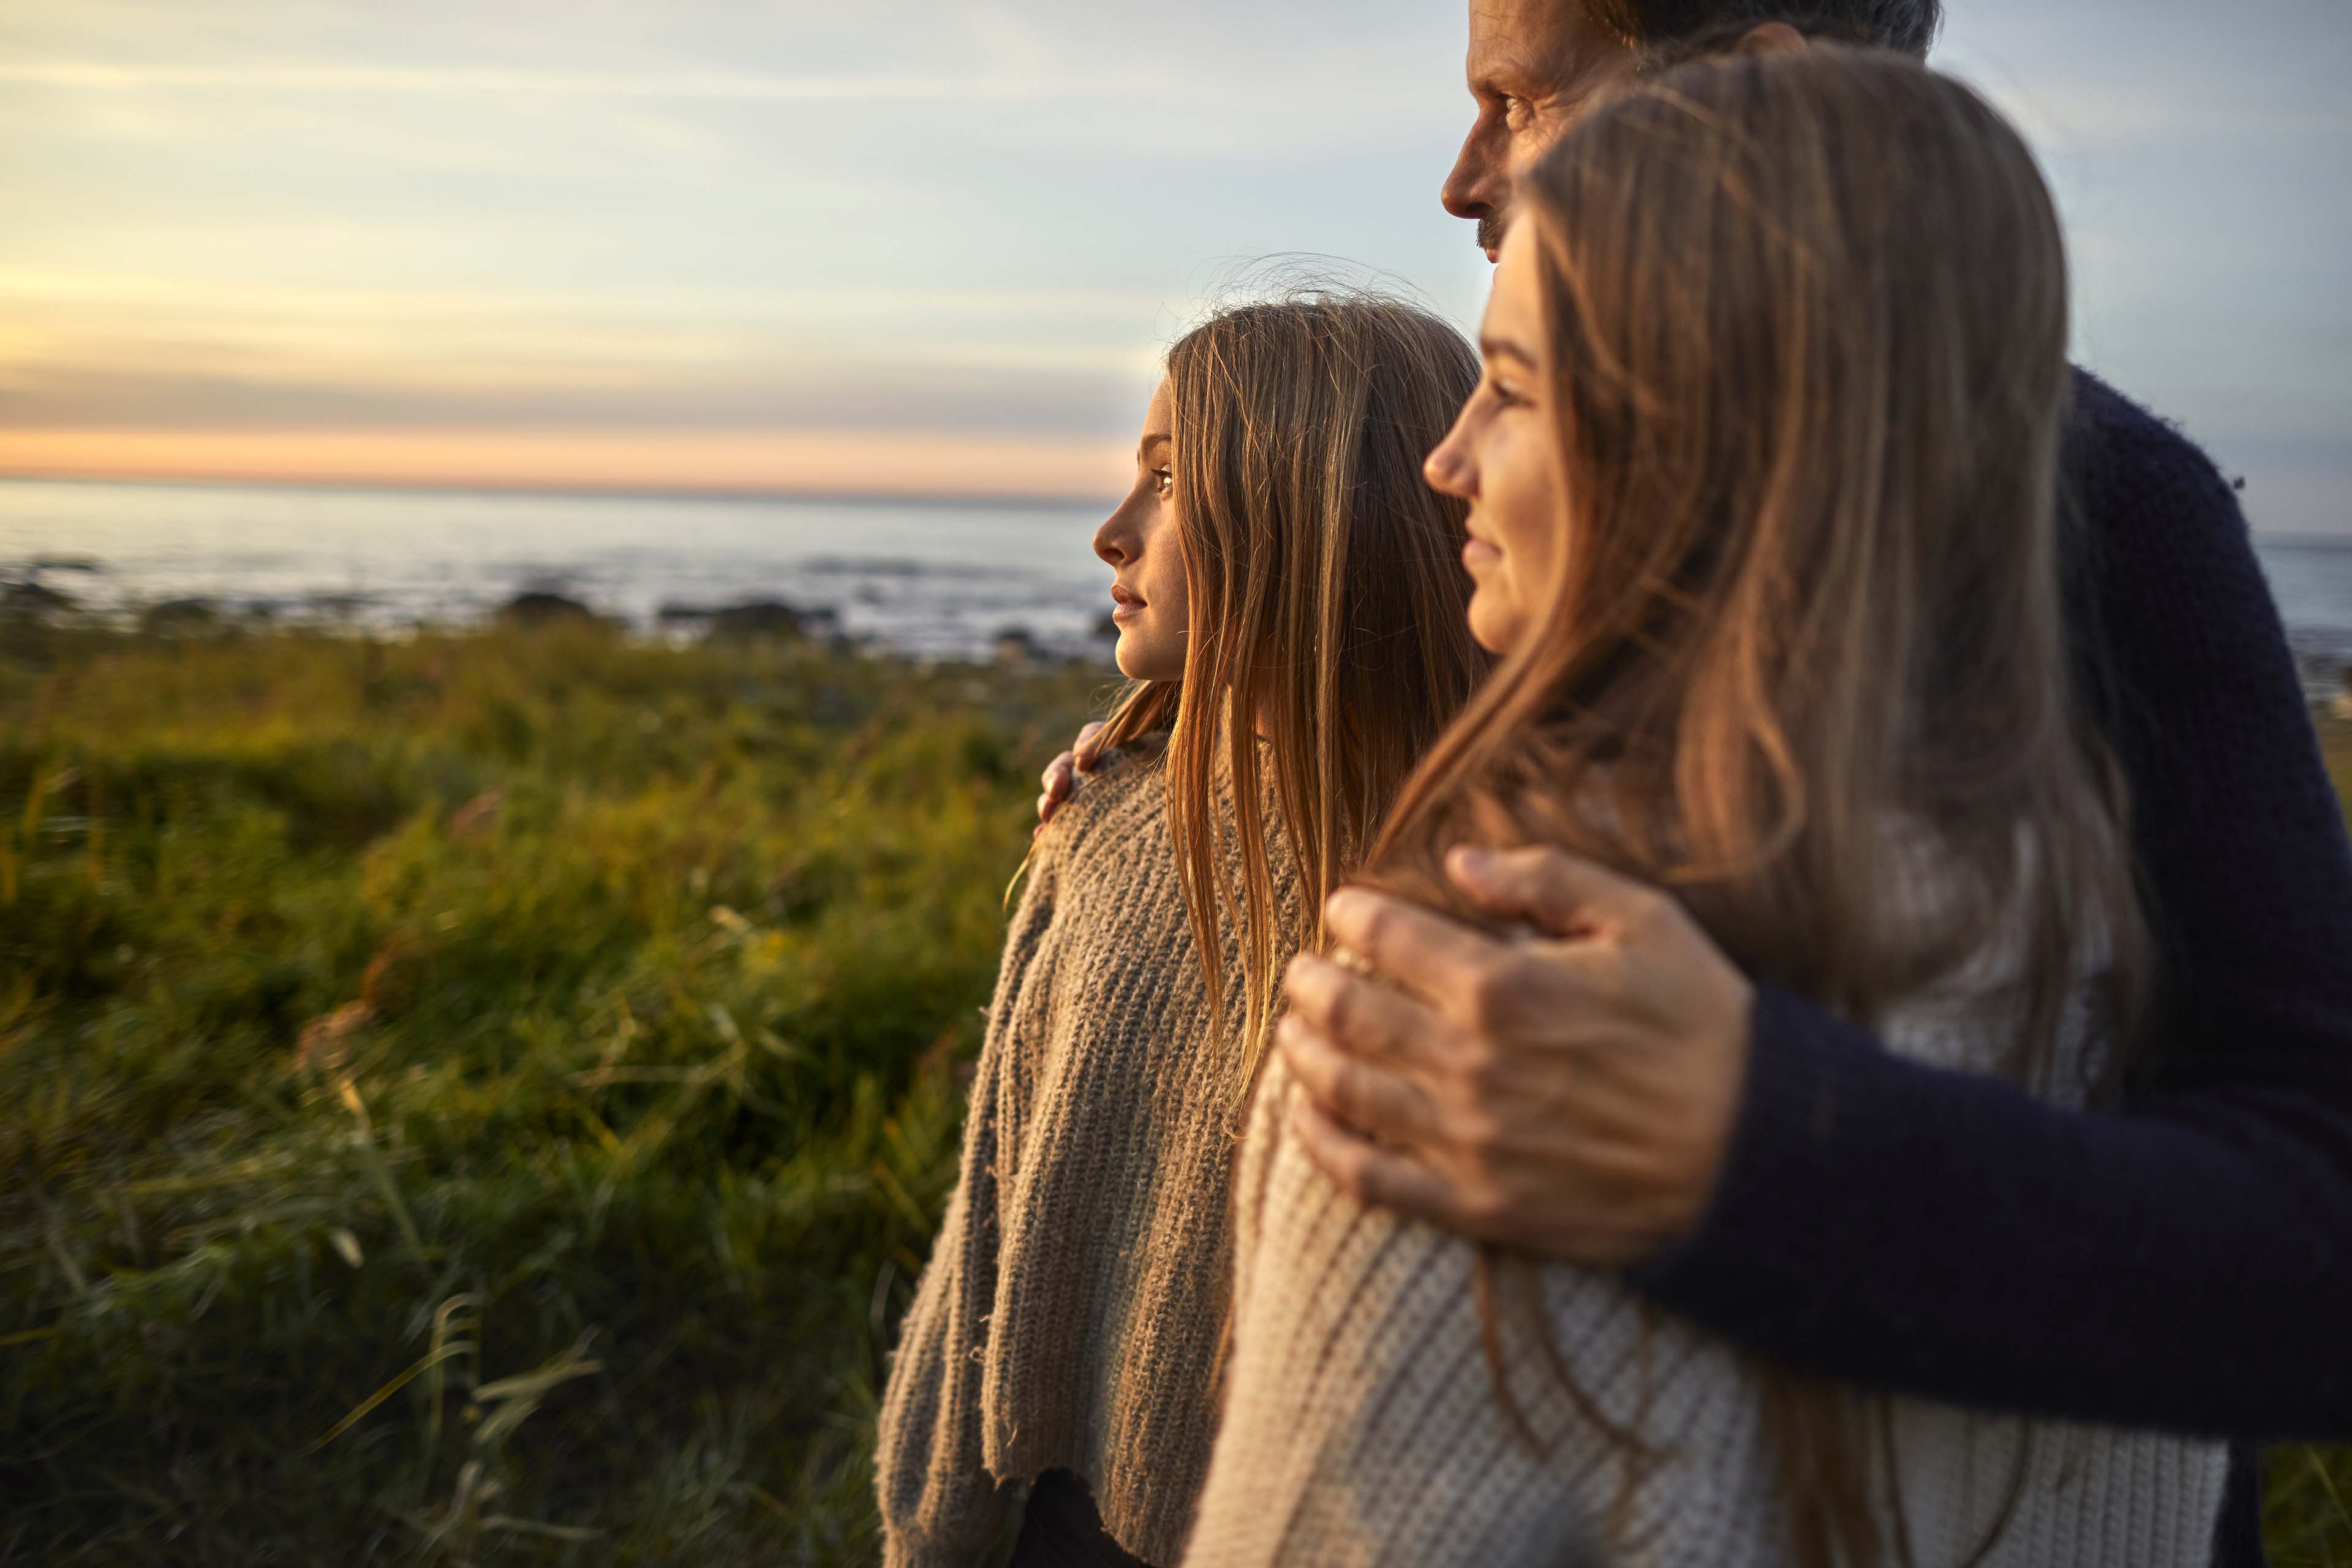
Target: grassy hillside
485 1094
484 1099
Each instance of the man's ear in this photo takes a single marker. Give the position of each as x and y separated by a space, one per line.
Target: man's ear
1772 38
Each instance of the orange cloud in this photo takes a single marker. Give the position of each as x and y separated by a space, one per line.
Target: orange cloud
829 462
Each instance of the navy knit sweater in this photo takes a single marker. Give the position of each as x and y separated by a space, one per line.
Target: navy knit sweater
2184 1261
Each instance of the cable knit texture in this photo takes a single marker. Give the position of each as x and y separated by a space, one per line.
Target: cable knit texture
1363 1425
1071 1314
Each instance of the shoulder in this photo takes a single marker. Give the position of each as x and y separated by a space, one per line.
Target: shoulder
1125 795
2139 481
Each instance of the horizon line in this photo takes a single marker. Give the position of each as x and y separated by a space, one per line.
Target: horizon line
971 501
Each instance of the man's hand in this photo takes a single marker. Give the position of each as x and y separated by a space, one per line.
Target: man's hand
1060 778
1572 1094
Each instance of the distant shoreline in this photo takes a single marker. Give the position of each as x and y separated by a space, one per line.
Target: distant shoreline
588 492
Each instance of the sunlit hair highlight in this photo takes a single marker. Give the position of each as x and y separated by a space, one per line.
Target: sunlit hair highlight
1806 325
1328 642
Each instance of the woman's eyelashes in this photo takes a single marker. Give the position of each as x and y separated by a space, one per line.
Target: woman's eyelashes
1164 480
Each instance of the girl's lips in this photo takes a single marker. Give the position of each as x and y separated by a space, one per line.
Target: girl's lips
1477 553
1128 603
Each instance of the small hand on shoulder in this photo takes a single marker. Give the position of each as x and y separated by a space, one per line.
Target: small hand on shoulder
1062 774
1572 1093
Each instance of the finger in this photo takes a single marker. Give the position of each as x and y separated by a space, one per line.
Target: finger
1440 959
1046 806
1361 1017
1561 894
1055 779
1361 1095
1373 1176
1082 751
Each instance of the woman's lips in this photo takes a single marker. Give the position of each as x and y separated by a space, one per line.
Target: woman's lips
1128 601
1477 553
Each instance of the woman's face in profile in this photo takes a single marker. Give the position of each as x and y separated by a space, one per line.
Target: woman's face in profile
1140 541
1498 457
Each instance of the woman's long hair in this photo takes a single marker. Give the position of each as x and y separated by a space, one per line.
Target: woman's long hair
1327 608
1807 325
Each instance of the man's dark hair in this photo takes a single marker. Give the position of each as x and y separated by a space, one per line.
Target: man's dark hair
1669 31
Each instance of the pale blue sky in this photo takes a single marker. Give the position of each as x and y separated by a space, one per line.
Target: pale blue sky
950 239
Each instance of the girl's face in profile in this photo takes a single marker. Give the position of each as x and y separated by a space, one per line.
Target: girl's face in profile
1499 457
1140 542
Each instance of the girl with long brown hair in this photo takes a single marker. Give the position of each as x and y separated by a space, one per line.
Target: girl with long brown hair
1761 472
1291 616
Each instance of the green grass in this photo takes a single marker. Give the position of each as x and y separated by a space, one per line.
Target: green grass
543 1045
484 1099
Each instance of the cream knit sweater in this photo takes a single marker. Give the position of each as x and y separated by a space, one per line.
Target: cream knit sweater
1072 1312
1362 1428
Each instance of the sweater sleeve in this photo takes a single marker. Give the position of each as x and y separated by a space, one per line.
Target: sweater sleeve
940 1507
2182 1258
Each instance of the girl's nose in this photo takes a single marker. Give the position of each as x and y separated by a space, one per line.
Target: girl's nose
1113 541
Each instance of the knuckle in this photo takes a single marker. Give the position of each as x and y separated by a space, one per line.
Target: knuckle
1375 922
1343 1090
1344 1010
1493 993
1482 1071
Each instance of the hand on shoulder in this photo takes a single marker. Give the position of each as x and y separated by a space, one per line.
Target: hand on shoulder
1573 1094
1062 775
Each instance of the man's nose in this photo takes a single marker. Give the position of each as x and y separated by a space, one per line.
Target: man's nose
1475 186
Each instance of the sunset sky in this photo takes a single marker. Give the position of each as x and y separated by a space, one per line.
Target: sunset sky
936 248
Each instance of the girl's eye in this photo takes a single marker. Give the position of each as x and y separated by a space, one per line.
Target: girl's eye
1163 482
1506 394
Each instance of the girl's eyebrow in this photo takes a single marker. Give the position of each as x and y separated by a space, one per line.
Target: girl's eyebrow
1151 439
1504 348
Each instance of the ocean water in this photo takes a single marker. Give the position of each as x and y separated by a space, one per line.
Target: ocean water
933 579
2312 581
937 579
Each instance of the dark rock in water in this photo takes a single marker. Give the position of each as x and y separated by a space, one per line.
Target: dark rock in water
32 599
768 618
336 606
176 616
541 608
672 614
1014 645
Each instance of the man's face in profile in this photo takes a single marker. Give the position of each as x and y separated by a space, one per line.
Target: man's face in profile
1534 66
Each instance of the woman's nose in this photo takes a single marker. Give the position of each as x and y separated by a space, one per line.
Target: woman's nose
1448 469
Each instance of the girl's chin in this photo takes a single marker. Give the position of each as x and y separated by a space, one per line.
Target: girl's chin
1494 623
1138 659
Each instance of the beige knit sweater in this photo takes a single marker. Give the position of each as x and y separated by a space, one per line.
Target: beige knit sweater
1362 1428
1072 1312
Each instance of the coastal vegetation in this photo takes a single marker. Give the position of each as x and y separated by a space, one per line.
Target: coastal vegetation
484 1096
